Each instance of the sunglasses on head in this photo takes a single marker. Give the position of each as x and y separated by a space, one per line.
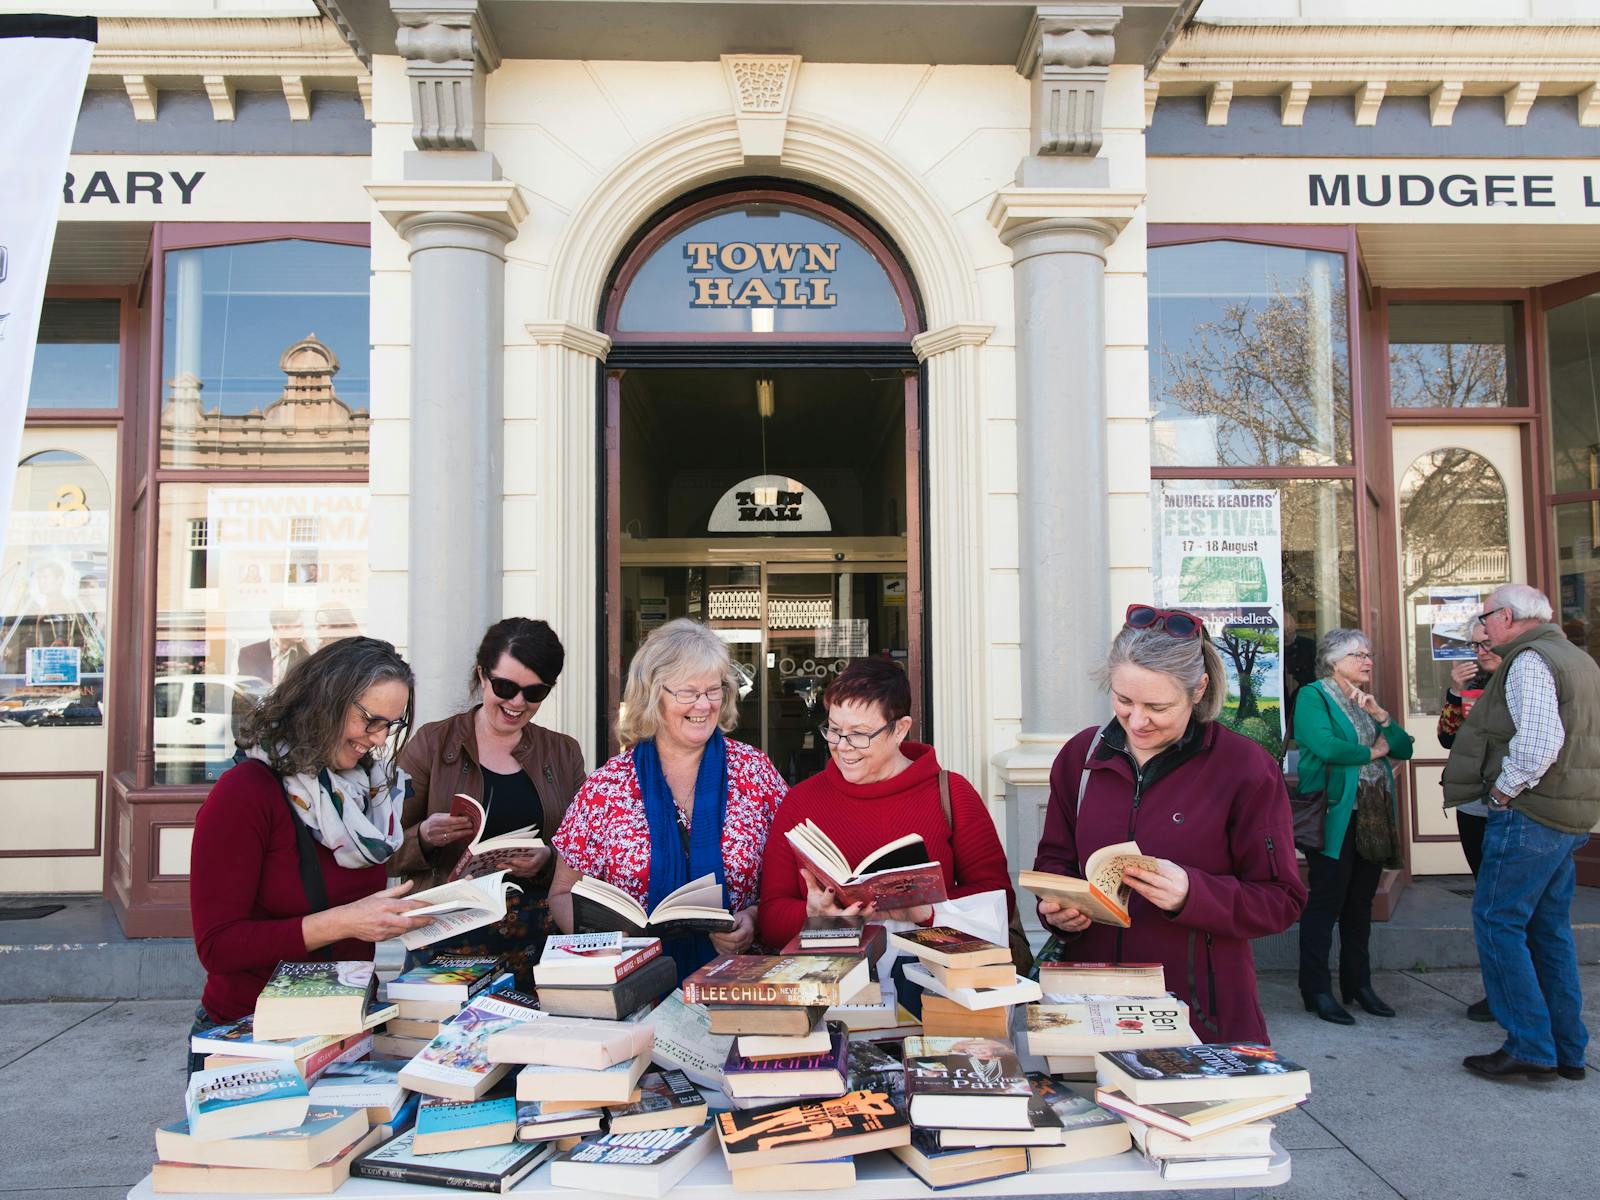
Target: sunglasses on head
1172 621
506 690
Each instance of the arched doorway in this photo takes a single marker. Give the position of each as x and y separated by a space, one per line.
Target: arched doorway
763 416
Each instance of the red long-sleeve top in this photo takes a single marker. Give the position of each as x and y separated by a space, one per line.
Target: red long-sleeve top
245 895
861 817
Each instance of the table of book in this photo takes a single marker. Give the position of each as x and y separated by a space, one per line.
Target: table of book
879 1176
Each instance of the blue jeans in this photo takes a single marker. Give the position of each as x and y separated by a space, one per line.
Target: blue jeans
1522 919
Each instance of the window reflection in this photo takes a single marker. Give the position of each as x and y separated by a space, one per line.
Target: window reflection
54 578
75 361
1573 332
761 268
1249 356
1453 355
265 358
251 579
1578 573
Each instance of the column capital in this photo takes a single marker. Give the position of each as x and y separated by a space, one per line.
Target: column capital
1066 56
951 337
1019 212
570 337
1028 763
449 52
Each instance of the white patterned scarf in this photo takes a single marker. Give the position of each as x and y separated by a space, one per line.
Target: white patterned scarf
354 813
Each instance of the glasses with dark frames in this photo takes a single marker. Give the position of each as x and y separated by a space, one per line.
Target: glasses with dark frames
856 741
374 724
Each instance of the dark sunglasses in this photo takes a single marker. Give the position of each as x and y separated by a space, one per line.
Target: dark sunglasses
1173 621
505 689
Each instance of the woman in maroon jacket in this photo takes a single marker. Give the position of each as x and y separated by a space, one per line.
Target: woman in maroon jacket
1208 803
290 846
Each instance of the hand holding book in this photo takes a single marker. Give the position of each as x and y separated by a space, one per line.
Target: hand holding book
1167 888
821 902
738 939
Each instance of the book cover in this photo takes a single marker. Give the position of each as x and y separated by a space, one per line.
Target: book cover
366 1083
459 1052
1204 1072
612 1001
318 980
971 1068
1073 1111
834 1058
776 979
812 1131
1091 1025
951 947
683 1039
593 958
1102 895
238 1038
482 1169
325 1130
236 1101
647 1149
447 977
437 1115
662 1094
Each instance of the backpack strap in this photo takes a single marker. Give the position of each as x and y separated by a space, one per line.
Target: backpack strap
944 801
1083 775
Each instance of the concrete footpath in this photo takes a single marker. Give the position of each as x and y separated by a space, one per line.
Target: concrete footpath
82 1085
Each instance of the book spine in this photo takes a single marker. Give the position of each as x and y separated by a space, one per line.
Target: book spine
435 1176
793 993
630 965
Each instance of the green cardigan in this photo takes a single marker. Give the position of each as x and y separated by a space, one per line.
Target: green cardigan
1332 758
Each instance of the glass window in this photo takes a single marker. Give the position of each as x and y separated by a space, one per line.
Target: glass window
1573 332
1249 356
1455 548
75 362
762 268
54 578
243 602
265 359
1578 572
1453 356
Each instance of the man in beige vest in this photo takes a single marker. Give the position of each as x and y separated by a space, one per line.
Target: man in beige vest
1531 748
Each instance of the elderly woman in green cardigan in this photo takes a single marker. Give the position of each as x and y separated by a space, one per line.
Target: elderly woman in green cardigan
1346 740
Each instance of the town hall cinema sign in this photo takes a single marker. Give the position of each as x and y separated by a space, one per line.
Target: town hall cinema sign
762 274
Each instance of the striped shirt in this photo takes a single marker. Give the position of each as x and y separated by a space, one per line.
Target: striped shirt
1535 710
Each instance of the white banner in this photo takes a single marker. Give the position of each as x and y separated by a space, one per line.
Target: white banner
43 64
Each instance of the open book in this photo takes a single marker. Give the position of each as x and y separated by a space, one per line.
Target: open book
1102 896
490 854
458 907
897 874
696 907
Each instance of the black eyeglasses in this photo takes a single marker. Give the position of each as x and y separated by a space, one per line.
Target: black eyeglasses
1173 621
856 741
1483 617
384 723
533 693
1480 647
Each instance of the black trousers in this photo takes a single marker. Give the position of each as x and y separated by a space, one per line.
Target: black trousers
1341 893
1470 829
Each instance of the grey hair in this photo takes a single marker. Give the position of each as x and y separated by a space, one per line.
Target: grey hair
1188 662
1336 644
675 652
1526 603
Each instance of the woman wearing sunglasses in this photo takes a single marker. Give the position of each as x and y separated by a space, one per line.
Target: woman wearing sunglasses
520 772
1346 740
683 799
1207 803
292 846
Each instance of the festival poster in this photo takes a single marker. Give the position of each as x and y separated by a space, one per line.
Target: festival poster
1450 613
1220 557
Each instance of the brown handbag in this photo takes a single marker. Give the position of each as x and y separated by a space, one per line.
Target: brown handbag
1021 951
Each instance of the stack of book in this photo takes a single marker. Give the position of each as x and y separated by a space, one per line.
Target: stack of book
369 1083
319 999
603 975
647 1145
1201 1111
762 1146
234 1044
455 1065
428 995
1068 1033
969 986
973 1109
575 1063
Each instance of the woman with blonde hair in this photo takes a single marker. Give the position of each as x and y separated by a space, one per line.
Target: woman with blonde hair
681 800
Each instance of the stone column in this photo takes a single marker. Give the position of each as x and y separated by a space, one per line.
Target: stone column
1058 221
456 215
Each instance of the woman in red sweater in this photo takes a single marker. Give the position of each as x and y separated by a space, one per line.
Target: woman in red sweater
311 787
1207 803
876 787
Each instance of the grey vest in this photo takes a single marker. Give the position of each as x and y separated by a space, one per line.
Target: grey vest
1568 797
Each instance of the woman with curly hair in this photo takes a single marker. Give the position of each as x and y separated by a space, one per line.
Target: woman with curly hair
290 847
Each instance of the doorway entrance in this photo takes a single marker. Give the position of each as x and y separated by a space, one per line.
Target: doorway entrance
763 432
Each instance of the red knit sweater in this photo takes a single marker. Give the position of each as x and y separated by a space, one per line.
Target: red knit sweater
860 818
245 895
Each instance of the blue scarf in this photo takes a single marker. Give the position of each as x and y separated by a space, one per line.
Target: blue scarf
669 870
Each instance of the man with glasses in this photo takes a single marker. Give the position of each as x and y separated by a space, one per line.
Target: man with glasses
1531 748
1468 678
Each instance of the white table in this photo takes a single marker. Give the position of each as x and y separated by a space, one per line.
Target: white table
879 1176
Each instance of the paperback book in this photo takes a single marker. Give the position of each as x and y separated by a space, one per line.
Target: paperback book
1207 1072
965 1083
1064 979
898 874
1088 1131
592 958
950 947
444 1125
1103 894
239 1101
542 1121
565 1042
941 1167
1194 1119
667 1100
369 1083
313 999
611 1001
458 907
807 979
696 907
487 1169
484 856
1019 991
821 1074
449 978
325 1131
610 1085
683 1039
649 1163
456 1064
1091 1026
326 1177
813 1131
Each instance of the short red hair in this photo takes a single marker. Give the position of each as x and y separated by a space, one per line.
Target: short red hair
866 681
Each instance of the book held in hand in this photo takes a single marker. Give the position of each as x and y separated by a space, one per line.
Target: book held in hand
1103 894
696 907
485 856
965 1083
314 998
325 1131
631 1164
486 1169
812 1131
239 1101
1206 1072
458 907
951 948
667 1100
898 874
804 979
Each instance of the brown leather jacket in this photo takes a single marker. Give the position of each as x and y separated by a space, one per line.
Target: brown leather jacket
442 759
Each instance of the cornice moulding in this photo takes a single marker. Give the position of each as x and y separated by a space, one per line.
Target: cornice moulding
570 337
229 47
951 337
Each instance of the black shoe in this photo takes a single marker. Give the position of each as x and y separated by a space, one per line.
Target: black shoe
1369 1000
1501 1065
1326 1007
1479 1011
1572 1072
